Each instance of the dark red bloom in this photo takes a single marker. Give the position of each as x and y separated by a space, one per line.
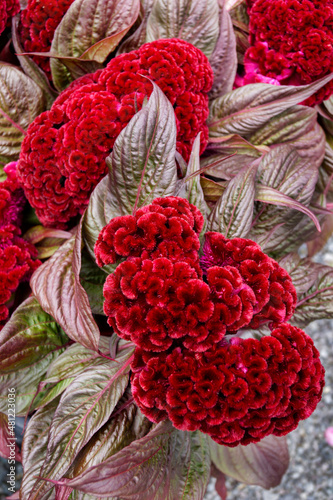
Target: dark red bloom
237 393
63 155
292 43
157 303
274 294
8 9
17 263
38 23
166 228
12 198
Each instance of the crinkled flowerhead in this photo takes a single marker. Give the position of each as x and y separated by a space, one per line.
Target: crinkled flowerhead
63 154
157 303
17 263
269 295
8 9
291 43
12 199
39 21
237 393
168 227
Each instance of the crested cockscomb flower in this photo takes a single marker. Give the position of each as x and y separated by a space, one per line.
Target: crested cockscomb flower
291 44
8 9
237 393
39 21
17 263
168 227
12 199
63 154
275 295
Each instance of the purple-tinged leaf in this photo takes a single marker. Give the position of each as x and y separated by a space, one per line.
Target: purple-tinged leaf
34 447
84 407
63 492
21 100
266 194
92 278
190 187
196 21
142 163
233 213
223 60
56 284
90 30
220 486
303 272
7 437
317 301
138 38
30 67
247 108
318 243
163 465
262 463
212 190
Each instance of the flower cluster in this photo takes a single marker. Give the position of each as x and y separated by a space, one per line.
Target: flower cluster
237 393
39 21
291 43
8 9
63 155
178 313
17 256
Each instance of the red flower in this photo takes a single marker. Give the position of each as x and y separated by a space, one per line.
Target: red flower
8 9
38 23
237 393
157 303
17 263
166 228
12 198
292 43
63 155
265 288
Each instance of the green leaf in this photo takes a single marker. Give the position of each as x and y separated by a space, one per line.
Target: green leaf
30 67
21 100
166 464
262 463
90 30
34 447
84 407
92 278
190 187
247 108
212 190
223 60
193 21
56 284
233 213
142 163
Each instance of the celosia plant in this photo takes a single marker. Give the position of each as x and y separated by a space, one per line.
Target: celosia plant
163 338
8 9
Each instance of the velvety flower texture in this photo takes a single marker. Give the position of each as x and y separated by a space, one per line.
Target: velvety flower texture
238 393
63 155
8 9
291 43
38 23
12 199
274 297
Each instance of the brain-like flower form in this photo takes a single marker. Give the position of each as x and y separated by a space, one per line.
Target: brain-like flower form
8 9
166 228
63 155
39 21
12 199
156 303
236 393
17 263
274 294
291 43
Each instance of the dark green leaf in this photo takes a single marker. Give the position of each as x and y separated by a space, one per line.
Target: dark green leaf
21 100
92 279
142 164
233 213
56 284
196 22
166 464
262 463
247 108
